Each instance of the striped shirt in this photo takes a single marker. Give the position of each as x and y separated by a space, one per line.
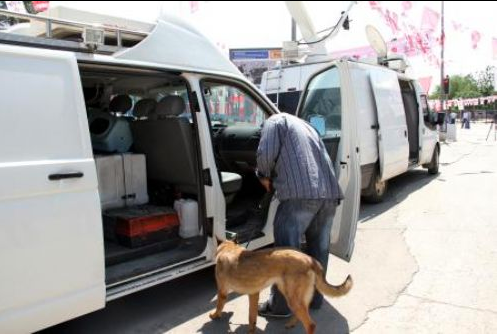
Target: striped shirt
294 156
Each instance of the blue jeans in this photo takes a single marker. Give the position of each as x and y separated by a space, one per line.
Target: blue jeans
294 218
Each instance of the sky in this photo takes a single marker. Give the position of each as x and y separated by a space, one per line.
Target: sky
247 24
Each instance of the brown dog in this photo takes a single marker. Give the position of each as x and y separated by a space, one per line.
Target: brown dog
294 273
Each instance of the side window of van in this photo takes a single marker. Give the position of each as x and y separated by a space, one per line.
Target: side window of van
228 105
323 103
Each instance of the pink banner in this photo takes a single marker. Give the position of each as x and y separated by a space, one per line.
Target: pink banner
194 5
425 83
360 52
494 48
475 39
429 20
40 6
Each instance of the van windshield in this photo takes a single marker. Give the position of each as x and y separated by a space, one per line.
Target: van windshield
229 105
323 103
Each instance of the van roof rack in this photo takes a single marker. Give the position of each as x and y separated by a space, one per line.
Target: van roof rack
104 37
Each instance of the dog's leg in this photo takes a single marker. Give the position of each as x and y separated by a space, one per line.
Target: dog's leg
299 296
253 303
302 313
222 295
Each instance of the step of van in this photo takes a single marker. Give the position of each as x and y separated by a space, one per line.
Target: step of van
251 230
160 276
116 253
186 249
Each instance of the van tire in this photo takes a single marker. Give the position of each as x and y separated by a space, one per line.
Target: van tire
433 167
375 192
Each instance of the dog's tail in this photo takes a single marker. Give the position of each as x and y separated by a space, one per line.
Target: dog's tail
327 289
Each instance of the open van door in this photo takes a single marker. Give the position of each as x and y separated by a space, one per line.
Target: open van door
322 106
51 242
393 142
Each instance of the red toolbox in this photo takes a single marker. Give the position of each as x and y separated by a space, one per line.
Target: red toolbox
142 225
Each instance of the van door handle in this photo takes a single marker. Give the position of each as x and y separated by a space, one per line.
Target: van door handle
342 163
405 133
62 176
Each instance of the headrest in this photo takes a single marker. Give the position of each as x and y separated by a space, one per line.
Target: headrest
144 108
171 105
121 103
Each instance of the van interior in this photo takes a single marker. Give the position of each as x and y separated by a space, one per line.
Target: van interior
411 109
146 149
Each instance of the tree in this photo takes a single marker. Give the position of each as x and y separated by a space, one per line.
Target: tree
485 81
470 86
460 87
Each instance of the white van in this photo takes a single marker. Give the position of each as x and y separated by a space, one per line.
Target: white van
396 130
136 123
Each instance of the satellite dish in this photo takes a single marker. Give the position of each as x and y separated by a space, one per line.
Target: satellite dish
376 41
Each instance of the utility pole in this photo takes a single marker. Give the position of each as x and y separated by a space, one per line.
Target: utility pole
294 30
442 63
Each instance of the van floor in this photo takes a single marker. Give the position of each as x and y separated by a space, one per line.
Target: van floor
245 219
123 263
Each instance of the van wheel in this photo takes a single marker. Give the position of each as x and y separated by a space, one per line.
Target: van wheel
435 162
375 192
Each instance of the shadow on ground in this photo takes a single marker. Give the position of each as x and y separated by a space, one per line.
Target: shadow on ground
399 188
155 310
328 320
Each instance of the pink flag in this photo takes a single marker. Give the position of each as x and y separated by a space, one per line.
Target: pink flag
374 4
457 26
392 20
194 6
494 47
425 83
475 38
429 20
40 6
406 5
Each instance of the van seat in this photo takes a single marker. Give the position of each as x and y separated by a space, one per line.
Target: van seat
168 142
121 104
231 184
144 109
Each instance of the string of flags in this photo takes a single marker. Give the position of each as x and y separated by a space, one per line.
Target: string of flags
421 38
461 104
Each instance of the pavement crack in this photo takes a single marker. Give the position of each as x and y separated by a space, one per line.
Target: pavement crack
429 300
462 157
477 173
404 289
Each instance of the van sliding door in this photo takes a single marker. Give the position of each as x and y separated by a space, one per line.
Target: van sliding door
392 135
51 243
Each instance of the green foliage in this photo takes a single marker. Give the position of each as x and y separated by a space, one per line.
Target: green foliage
485 81
469 86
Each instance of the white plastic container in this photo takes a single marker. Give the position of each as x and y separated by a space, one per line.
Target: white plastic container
122 180
187 210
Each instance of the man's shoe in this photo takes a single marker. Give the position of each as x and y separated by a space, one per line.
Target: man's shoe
265 311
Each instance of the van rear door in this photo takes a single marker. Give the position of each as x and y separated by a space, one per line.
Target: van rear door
325 104
392 134
51 243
